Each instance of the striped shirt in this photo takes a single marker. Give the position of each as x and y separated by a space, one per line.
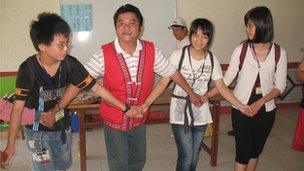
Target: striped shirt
162 66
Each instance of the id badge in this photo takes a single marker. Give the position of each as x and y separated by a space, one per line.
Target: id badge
258 90
59 115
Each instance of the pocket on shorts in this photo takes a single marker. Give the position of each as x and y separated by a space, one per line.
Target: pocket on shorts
33 139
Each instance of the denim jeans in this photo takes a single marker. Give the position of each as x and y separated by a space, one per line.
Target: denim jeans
47 151
126 150
188 141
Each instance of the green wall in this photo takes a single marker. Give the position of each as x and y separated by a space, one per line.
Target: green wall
7 85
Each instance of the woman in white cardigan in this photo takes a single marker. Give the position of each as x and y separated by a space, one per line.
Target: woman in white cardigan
261 77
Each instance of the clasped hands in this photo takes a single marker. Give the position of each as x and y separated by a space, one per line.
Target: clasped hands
48 118
138 111
248 110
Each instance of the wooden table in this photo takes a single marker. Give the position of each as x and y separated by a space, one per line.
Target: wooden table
81 108
164 99
215 112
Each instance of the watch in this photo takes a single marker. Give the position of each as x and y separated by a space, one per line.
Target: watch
127 108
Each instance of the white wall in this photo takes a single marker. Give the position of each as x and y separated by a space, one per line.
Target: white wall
16 16
227 17
155 27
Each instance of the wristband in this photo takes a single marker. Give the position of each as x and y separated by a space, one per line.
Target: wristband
127 108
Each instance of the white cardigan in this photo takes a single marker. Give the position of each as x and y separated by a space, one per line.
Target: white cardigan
269 77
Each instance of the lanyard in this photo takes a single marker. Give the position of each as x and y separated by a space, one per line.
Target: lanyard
192 70
254 53
39 111
257 82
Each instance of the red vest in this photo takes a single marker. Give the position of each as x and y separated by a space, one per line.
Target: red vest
118 81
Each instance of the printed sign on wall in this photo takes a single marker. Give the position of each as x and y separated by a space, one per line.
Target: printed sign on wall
78 16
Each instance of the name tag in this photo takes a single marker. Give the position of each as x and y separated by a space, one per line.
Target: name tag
258 90
59 115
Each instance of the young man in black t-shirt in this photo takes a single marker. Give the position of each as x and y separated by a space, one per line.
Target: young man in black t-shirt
41 82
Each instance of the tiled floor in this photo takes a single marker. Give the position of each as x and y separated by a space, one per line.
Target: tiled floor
162 153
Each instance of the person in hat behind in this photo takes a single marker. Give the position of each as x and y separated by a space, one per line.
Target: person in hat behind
180 32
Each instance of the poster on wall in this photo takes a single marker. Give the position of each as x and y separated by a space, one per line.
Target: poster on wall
78 16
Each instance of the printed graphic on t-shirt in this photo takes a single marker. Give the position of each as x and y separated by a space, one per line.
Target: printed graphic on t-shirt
52 94
196 78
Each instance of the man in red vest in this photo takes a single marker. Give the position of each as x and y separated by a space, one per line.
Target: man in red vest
127 66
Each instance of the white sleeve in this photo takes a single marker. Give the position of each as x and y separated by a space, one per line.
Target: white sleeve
233 67
95 65
217 70
175 58
162 66
281 72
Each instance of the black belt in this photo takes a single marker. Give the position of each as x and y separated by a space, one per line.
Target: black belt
188 105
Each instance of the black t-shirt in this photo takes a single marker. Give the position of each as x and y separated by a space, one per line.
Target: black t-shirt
50 89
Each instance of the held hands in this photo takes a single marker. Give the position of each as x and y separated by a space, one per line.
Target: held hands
246 110
134 112
256 106
137 111
196 99
205 98
48 118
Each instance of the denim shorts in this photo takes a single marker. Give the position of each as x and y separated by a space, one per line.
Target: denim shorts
47 150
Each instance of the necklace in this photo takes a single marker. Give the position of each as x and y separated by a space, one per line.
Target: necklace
193 71
255 56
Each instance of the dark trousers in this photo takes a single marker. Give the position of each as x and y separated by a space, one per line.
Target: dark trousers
126 150
251 132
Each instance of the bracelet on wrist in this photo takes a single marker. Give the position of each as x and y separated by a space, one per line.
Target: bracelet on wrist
127 108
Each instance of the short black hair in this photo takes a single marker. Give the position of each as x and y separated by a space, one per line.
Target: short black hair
203 24
46 27
262 19
128 8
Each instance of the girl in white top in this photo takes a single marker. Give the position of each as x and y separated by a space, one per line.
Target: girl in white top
189 122
260 80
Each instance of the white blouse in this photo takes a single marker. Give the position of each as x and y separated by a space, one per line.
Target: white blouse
270 77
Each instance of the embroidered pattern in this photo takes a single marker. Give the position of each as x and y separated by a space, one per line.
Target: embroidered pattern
128 123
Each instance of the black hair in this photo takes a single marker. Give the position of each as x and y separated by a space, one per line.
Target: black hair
262 19
128 8
203 24
46 27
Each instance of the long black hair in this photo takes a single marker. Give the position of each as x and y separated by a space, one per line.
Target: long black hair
262 19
